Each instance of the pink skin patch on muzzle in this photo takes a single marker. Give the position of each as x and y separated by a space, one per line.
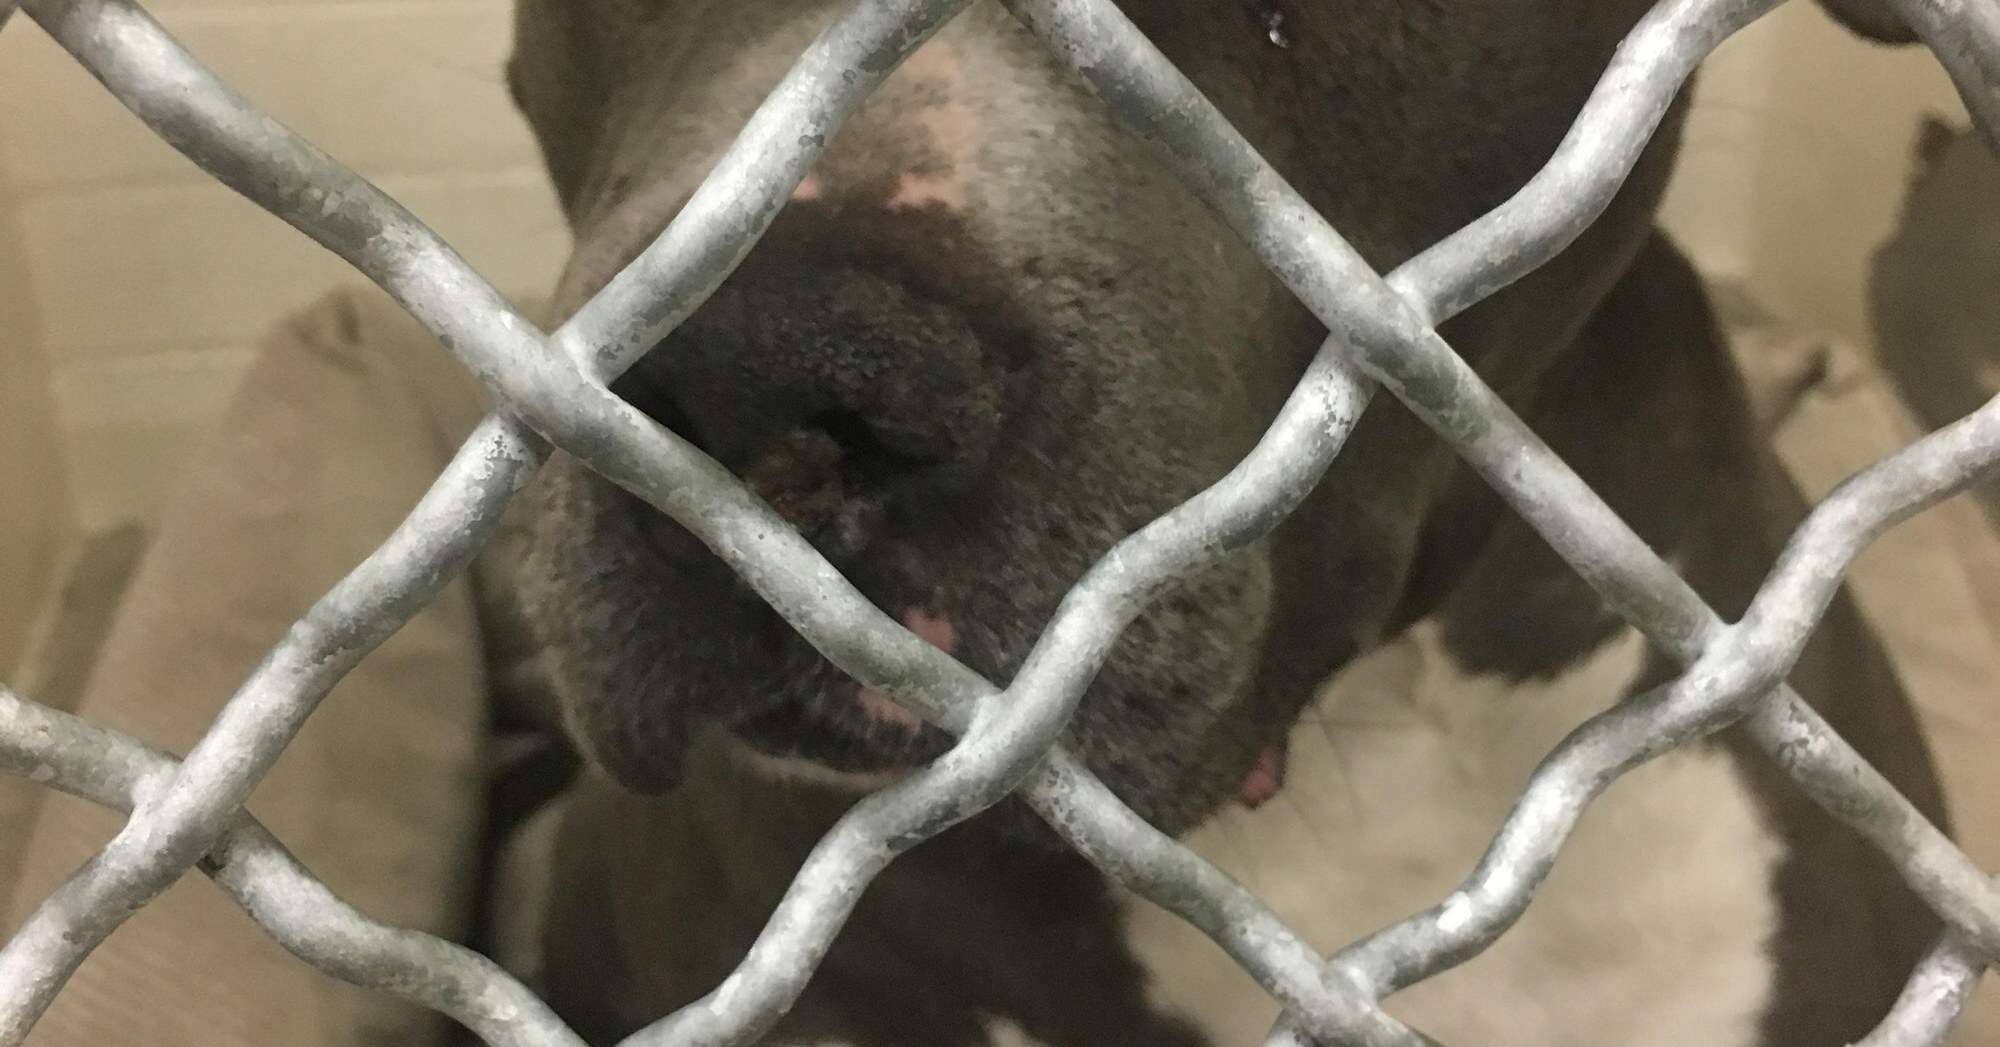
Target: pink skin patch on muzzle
934 629
913 192
925 104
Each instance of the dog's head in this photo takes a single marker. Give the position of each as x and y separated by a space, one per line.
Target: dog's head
991 335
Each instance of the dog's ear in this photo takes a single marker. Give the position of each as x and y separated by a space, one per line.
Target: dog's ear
1874 19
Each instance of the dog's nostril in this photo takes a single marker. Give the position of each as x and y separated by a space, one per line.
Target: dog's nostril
829 475
800 476
865 458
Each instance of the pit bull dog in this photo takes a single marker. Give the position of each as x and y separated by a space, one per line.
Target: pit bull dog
991 335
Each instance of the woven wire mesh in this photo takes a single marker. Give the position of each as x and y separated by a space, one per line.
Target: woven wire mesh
552 391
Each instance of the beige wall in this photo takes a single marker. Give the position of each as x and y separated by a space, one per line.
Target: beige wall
153 282
1795 162
34 496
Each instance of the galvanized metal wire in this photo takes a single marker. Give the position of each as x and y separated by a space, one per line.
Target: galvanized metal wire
552 391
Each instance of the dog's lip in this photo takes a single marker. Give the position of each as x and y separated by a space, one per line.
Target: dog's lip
804 708
855 723
841 736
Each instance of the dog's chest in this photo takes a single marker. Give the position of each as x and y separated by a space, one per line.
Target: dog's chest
1651 930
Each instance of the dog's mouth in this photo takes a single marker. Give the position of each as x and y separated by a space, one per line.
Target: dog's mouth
902 504
842 733
850 728
853 729
812 479
906 542
833 481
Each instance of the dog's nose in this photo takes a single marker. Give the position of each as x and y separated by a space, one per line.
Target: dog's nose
828 387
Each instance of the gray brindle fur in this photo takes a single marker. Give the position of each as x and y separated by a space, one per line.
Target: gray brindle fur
990 337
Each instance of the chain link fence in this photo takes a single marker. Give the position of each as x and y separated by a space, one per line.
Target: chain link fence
552 388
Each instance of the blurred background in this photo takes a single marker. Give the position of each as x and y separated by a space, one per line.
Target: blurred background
134 289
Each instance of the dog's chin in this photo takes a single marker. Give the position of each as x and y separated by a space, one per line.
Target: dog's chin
849 742
842 735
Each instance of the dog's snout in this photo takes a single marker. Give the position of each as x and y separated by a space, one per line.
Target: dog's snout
830 387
